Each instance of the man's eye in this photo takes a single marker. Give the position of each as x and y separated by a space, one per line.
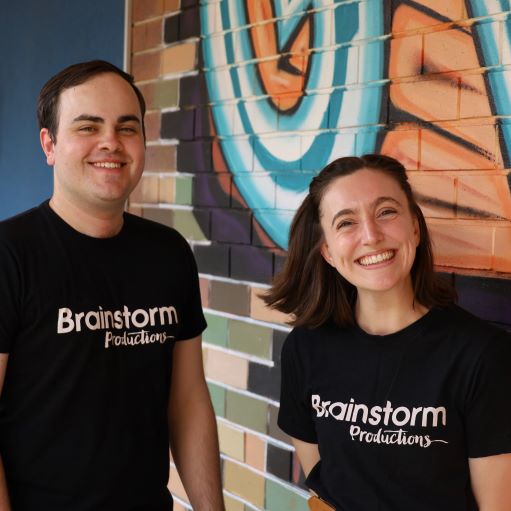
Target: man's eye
127 129
87 129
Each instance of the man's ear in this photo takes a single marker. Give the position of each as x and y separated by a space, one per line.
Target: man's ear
326 254
48 146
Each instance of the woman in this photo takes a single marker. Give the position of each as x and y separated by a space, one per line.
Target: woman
395 398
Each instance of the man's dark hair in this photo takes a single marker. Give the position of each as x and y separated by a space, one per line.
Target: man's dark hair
315 292
48 101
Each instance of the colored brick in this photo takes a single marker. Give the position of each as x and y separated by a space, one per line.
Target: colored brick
405 56
146 66
436 194
204 292
246 411
177 124
162 216
279 497
160 158
502 250
188 225
144 9
189 23
232 441
473 98
167 190
171 5
255 451
403 145
249 338
461 244
230 297
264 380
213 259
179 58
192 90
273 428
171 29
152 122
231 504
278 462
234 227
195 156
217 395
183 190
409 18
147 35
165 94
212 190
147 190
245 483
226 368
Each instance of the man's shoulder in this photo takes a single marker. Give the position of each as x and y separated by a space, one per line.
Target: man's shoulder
17 226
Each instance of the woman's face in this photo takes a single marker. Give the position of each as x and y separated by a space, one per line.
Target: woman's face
370 236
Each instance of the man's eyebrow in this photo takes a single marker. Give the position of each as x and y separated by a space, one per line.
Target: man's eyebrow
95 118
375 203
91 118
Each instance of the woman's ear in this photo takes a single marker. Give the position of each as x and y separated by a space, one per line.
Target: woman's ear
326 253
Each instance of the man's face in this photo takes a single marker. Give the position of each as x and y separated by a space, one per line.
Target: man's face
98 156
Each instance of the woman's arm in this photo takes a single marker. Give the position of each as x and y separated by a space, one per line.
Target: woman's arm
308 454
491 482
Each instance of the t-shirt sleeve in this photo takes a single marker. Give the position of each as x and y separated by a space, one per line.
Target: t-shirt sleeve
488 419
193 321
295 416
10 285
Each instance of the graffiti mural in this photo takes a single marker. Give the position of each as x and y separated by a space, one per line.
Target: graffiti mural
291 85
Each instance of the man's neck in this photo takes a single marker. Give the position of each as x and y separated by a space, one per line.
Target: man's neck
97 224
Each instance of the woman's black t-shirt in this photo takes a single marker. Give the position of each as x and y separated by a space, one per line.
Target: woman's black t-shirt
396 417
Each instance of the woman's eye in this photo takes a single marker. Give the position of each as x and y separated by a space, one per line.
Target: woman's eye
343 224
387 212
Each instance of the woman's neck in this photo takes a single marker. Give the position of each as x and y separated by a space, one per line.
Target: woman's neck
387 312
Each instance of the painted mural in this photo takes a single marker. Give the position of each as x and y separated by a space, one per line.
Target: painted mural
295 84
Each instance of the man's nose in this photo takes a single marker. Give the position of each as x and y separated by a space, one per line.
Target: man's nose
110 140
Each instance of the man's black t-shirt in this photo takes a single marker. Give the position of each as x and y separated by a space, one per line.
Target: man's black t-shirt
396 417
89 325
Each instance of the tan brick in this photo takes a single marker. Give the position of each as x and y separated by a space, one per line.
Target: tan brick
404 146
486 195
146 190
227 368
144 9
232 504
245 483
232 441
171 5
147 35
175 485
462 244
502 249
473 97
255 451
436 194
179 58
259 310
152 123
438 99
146 66
167 189
160 158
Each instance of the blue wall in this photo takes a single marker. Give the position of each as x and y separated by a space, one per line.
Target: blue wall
37 39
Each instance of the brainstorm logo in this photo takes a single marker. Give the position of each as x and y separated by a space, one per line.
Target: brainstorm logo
121 319
420 416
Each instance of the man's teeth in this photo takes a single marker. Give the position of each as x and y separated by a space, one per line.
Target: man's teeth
108 165
378 258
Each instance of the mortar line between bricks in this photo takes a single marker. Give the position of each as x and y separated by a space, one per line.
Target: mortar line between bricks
245 319
244 392
268 439
267 475
240 354
238 498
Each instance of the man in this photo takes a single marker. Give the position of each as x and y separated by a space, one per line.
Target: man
100 323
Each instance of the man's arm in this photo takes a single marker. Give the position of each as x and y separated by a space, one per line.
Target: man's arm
192 426
4 494
491 482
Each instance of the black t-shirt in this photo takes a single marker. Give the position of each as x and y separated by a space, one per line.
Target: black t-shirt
396 417
90 325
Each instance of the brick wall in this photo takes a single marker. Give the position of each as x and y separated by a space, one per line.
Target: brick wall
241 115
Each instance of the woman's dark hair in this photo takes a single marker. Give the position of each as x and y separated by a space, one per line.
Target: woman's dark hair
48 101
312 290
